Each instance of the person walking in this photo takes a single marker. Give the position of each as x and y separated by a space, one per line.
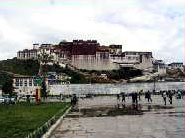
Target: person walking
170 96
123 97
146 95
149 97
133 97
140 93
179 94
136 96
74 100
118 97
164 95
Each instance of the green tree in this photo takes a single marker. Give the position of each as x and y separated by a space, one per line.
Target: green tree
7 87
43 90
78 78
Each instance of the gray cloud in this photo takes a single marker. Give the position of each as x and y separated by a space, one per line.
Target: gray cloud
144 25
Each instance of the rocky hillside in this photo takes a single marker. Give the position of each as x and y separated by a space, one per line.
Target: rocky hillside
175 74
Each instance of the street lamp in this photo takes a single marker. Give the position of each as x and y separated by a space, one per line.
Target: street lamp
155 77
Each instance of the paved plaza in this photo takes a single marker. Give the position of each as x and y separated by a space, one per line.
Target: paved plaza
101 117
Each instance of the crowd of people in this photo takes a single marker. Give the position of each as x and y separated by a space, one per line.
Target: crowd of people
136 96
167 95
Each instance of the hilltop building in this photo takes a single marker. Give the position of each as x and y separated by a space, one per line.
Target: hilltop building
27 54
87 55
80 54
115 49
160 67
134 59
90 55
176 65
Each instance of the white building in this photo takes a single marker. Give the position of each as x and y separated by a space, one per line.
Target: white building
27 54
45 48
99 61
176 65
115 49
59 56
24 85
139 60
160 67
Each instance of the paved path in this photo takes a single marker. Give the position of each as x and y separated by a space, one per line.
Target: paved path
94 119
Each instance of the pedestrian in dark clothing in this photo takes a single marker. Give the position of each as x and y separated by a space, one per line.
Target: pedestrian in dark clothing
118 97
123 96
74 100
140 93
133 98
136 95
170 96
179 94
146 95
123 99
149 96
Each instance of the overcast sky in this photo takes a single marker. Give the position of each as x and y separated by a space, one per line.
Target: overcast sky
139 25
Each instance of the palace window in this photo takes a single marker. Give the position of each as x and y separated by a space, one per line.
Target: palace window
25 83
17 84
30 82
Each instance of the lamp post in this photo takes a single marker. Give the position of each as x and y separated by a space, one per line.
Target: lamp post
155 82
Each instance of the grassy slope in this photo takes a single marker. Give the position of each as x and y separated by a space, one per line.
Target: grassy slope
21 119
29 67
